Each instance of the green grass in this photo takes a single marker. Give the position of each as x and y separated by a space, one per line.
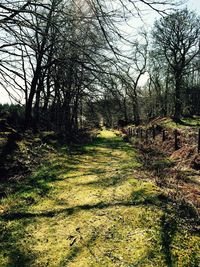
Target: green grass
85 207
186 122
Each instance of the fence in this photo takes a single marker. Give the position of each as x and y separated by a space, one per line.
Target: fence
179 138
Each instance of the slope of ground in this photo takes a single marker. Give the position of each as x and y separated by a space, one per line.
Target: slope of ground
93 206
168 122
175 167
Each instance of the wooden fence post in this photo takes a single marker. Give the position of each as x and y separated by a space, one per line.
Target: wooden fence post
154 132
141 133
176 139
163 136
137 132
146 135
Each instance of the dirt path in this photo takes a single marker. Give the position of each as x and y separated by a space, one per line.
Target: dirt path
91 208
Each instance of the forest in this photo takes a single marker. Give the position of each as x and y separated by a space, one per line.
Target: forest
99 133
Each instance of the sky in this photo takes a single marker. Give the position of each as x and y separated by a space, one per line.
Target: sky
194 5
148 19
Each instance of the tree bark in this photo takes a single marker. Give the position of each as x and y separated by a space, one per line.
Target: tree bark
178 104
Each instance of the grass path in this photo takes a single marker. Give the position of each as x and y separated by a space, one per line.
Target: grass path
91 208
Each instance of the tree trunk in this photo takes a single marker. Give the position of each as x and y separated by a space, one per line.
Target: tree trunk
136 115
125 110
178 106
28 109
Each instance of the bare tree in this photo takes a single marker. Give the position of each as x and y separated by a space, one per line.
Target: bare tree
56 52
176 38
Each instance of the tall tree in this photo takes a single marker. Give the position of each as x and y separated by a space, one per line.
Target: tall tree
177 39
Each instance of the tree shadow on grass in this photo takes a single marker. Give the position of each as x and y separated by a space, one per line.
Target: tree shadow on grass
104 183
168 231
138 199
24 193
110 143
78 248
74 252
15 253
39 182
17 257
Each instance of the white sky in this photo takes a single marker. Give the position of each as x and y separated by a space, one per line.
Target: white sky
136 23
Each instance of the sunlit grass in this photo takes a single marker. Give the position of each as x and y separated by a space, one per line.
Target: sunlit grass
89 209
186 122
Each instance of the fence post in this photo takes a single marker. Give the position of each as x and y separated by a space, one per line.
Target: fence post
137 132
141 133
146 135
199 141
154 132
163 136
176 139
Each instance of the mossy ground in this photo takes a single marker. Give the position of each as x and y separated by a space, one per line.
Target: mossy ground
185 123
90 207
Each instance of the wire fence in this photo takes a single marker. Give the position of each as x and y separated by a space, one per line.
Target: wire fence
179 138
